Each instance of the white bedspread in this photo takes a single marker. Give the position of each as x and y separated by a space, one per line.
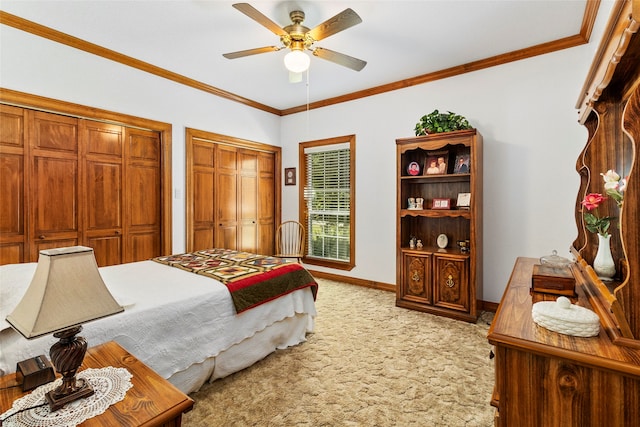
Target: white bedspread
172 318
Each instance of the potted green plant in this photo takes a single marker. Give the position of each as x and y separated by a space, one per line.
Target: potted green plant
437 122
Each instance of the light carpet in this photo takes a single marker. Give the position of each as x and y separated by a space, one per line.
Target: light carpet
369 363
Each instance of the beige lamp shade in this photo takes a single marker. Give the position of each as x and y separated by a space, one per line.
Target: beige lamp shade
66 290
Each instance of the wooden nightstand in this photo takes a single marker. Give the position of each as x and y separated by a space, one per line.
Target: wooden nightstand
152 401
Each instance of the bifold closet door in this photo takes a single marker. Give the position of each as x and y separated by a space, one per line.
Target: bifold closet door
248 200
203 174
266 214
13 185
226 197
54 205
142 195
104 178
231 196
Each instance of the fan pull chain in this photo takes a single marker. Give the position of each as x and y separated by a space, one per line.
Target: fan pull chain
308 121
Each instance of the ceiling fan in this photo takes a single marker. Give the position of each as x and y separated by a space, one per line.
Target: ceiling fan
298 38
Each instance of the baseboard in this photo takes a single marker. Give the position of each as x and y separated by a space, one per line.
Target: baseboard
354 281
390 287
487 306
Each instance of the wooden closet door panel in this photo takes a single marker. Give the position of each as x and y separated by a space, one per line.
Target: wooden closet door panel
104 172
248 213
248 207
248 160
142 195
226 197
103 195
12 186
104 139
227 202
54 133
203 174
266 203
143 245
104 228
204 210
55 205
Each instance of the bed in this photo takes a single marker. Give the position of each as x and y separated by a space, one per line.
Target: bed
185 326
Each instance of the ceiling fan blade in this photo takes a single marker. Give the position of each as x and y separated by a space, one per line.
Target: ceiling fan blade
241 53
340 58
261 19
345 19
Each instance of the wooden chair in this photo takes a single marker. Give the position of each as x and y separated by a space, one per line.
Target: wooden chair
290 240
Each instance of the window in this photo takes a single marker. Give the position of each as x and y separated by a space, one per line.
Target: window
327 201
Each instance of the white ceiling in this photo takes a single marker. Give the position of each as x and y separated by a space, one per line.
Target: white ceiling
398 39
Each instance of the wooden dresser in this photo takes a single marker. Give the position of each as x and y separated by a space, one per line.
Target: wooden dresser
544 378
548 379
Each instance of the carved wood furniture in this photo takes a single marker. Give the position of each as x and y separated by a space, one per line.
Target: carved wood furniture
545 378
444 281
152 401
610 109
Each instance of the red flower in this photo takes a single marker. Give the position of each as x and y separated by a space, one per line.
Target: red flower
593 200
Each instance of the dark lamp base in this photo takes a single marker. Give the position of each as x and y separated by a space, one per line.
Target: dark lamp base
57 401
67 356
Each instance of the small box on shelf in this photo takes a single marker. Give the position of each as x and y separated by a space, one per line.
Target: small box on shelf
554 280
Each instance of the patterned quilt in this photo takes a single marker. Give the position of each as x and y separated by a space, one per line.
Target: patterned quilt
251 279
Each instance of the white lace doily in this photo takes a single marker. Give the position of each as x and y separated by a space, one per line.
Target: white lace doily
109 384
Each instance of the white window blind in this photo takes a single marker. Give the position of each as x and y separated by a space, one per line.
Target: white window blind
327 194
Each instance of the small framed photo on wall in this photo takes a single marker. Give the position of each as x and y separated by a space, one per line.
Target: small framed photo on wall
289 176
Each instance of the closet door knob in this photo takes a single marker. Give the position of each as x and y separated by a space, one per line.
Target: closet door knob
42 237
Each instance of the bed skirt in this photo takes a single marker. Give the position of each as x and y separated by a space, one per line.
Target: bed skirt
280 335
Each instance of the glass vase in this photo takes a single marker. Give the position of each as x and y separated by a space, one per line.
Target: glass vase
603 263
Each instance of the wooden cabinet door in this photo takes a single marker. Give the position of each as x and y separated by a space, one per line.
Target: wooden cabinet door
203 211
451 282
13 183
103 188
143 195
55 212
416 278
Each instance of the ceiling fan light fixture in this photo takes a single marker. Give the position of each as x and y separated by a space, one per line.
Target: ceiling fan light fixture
297 61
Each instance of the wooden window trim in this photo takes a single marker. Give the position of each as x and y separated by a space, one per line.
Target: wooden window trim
302 207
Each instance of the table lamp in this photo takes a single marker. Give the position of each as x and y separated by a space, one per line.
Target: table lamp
65 292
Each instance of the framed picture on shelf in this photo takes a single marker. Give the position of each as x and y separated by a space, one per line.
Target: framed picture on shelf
413 169
436 163
441 204
464 200
463 161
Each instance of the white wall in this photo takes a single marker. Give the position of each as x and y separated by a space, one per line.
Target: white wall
38 66
525 111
